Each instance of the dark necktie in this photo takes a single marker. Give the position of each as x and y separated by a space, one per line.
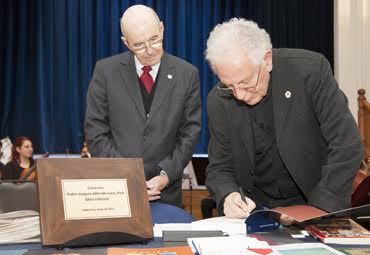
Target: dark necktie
146 79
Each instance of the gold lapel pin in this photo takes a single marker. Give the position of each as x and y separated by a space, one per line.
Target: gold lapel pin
169 76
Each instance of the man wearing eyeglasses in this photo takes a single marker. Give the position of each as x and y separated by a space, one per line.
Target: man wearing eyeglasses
145 103
281 131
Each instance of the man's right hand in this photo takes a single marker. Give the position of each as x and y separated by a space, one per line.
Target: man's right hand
152 186
234 207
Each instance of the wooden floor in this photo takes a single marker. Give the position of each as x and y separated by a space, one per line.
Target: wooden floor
191 201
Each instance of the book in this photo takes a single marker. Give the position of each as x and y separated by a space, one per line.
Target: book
339 231
267 219
176 250
258 221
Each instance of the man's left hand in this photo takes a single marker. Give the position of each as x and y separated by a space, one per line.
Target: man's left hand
286 220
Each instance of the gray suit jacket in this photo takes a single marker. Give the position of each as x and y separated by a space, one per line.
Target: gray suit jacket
316 135
116 124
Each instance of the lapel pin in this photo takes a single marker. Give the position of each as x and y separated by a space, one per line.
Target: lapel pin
169 76
288 94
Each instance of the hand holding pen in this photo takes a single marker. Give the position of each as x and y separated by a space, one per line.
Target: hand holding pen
242 195
237 205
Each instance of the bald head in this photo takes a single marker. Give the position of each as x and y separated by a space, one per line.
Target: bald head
143 34
138 17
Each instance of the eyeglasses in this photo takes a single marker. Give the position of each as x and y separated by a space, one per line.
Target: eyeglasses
241 85
142 47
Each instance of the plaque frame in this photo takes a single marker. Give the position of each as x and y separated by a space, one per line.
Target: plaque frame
58 232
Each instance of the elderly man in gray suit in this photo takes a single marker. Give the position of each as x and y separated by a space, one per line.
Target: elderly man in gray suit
145 103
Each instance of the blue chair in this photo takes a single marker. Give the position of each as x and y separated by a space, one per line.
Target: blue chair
165 213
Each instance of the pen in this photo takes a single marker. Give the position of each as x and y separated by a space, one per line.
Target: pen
242 195
195 248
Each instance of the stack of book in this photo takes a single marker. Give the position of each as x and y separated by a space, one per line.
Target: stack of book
19 227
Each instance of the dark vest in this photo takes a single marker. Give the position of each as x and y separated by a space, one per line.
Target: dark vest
148 97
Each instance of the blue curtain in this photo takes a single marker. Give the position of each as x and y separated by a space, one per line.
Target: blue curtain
48 49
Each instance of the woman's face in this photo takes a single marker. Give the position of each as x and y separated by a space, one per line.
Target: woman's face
26 149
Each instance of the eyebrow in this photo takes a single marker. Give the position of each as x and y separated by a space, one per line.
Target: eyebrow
138 44
247 80
141 43
232 84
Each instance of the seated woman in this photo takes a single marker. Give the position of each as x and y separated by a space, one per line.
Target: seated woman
22 162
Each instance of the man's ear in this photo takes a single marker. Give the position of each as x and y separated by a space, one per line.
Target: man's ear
268 60
124 40
161 28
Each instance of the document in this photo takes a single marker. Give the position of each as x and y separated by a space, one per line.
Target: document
236 245
226 225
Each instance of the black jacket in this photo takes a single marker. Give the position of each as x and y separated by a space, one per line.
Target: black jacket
316 135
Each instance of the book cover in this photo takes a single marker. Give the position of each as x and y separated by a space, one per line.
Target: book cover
339 231
268 219
176 250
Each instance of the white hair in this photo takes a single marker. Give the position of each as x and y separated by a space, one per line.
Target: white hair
237 33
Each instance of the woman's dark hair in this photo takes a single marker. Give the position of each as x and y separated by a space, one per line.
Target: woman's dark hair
18 143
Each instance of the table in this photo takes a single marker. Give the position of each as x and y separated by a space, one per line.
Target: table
161 213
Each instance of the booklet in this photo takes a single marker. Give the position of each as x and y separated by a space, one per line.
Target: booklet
268 219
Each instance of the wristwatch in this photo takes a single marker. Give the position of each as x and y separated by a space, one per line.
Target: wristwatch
162 173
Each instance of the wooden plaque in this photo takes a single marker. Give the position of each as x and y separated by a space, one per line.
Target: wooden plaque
88 202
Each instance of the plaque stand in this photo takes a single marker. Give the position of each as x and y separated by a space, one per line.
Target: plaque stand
84 217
